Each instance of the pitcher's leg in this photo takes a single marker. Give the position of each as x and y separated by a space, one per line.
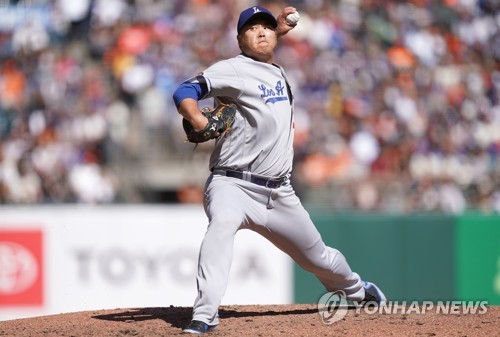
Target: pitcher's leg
223 207
291 229
213 269
327 264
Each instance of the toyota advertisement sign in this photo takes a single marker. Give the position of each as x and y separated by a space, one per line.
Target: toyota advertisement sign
77 258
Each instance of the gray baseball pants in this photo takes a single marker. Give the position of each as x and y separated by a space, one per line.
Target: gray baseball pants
232 204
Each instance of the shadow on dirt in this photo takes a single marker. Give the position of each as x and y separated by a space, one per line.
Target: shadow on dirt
179 317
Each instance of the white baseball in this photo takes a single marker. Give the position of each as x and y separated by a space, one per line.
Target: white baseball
293 18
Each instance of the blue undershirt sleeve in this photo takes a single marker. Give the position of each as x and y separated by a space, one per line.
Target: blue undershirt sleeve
196 91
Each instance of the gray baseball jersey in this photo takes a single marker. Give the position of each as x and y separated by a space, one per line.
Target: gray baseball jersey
260 142
264 124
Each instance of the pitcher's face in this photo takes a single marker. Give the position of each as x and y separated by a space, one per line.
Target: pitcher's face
258 40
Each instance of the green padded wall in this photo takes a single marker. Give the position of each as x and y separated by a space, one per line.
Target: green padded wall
478 258
411 257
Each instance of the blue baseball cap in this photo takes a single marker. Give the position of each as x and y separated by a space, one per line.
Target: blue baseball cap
253 12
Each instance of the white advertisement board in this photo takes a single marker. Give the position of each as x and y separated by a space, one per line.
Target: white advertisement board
77 258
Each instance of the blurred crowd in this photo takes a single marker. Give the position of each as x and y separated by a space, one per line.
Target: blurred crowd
397 102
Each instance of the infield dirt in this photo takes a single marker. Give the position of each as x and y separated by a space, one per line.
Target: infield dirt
262 320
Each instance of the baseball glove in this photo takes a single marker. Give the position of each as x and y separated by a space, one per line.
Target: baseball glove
220 119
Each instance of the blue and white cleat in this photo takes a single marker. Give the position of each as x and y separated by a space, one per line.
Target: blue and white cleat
199 328
373 295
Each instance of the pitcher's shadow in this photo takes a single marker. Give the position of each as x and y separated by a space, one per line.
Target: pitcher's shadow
179 317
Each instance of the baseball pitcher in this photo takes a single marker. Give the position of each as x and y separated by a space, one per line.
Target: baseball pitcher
249 187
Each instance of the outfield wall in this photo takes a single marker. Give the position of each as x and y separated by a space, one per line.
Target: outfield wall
414 257
56 259
65 259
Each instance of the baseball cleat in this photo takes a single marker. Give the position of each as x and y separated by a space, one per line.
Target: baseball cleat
373 295
199 328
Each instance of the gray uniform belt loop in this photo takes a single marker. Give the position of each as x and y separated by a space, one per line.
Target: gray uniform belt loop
267 182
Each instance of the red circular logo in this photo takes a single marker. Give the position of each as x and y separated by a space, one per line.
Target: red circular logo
18 268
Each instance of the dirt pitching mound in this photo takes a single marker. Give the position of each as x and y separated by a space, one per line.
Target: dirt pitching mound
262 320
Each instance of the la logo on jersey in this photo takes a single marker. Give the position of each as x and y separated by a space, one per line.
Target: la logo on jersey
273 95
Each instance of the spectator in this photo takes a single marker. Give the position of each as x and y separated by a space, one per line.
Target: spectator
402 98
